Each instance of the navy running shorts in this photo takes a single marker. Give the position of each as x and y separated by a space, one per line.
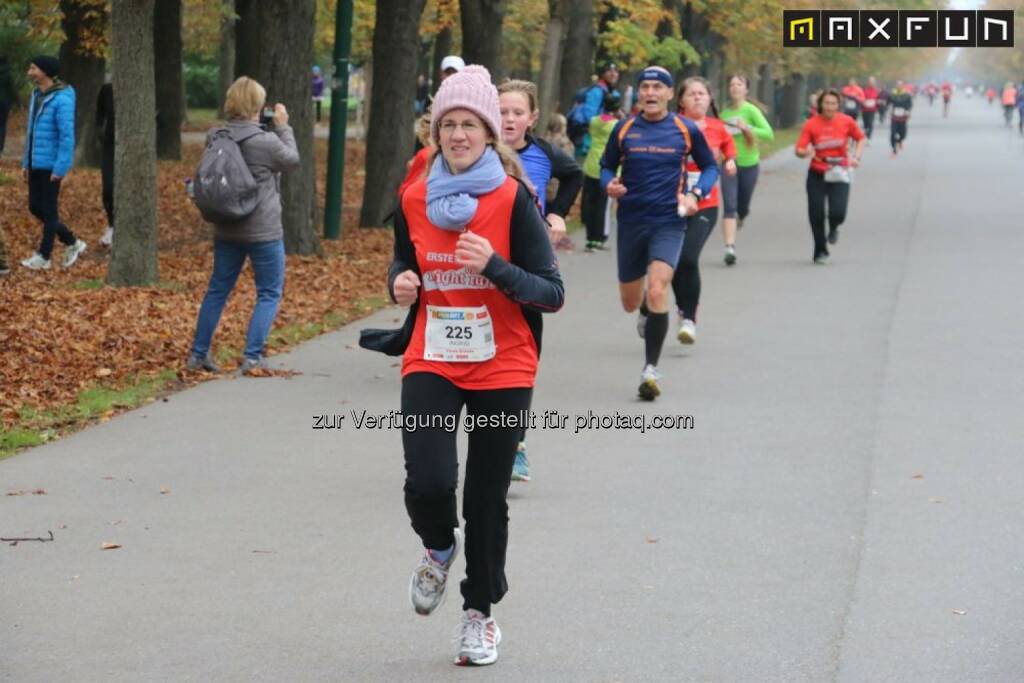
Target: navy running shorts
639 245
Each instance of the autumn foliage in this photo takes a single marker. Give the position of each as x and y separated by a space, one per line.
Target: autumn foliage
62 331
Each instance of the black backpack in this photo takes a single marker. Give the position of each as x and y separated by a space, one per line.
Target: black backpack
225 190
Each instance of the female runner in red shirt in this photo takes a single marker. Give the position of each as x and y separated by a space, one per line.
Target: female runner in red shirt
695 103
472 257
826 139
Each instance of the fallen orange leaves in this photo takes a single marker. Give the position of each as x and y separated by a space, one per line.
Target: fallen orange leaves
62 331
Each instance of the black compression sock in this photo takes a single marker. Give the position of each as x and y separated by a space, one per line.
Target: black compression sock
643 307
654 336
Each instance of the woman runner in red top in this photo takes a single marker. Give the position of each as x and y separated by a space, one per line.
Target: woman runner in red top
826 138
696 103
473 258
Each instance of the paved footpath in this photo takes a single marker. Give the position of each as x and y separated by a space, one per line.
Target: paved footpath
846 508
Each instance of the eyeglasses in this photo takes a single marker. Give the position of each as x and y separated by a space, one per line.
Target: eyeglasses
468 127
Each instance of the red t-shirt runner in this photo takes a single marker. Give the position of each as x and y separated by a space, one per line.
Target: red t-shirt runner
830 139
870 99
722 146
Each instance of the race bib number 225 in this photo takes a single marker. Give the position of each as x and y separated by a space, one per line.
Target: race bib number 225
458 334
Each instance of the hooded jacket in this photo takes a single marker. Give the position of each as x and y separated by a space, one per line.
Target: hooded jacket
50 142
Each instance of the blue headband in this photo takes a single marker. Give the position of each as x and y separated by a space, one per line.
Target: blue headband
655 73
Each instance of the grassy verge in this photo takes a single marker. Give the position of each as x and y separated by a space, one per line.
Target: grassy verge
289 335
785 137
98 283
98 403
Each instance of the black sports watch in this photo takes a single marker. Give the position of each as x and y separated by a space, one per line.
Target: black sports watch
696 193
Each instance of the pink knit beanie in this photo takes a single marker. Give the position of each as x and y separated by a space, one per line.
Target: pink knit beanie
469 89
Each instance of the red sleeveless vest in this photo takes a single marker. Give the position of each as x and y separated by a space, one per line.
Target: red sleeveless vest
446 283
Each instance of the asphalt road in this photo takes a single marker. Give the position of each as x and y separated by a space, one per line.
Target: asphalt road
847 506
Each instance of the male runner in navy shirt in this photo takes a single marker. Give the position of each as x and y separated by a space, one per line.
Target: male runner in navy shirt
651 149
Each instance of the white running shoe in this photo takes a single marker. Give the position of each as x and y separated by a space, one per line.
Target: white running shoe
649 389
687 332
36 262
478 640
108 237
429 579
730 255
72 252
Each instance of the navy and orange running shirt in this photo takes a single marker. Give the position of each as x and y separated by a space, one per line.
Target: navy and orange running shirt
653 155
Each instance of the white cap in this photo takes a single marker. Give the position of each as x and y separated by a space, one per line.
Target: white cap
452 62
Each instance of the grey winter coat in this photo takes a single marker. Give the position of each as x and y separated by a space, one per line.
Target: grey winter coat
267 154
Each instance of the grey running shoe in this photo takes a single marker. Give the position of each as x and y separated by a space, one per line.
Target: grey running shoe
196 363
478 640
730 255
36 262
429 579
833 235
72 252
250 364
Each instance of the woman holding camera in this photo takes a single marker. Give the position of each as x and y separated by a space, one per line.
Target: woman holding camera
259 236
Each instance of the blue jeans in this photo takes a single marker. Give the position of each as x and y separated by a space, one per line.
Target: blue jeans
268 270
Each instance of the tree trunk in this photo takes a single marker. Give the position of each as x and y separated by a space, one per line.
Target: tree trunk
551 61
442 48
389 141
794 98
169 81
577 51
364 105
695 30
226 55
247 38
84 23
666 26
281 63
609 12
481 34
134 258
715 68
767 92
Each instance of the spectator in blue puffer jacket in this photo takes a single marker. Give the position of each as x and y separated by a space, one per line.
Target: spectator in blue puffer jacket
49 150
